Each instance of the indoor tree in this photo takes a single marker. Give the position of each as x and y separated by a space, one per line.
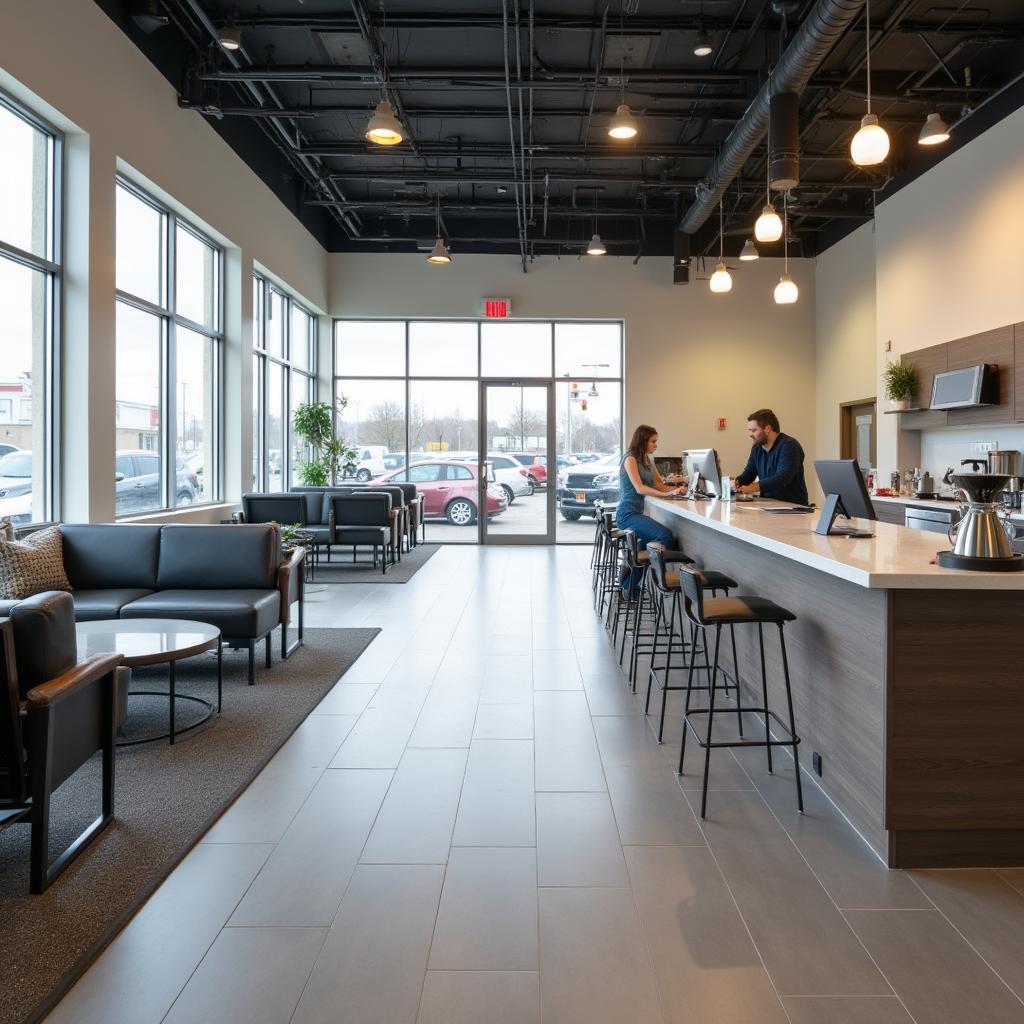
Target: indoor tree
314 423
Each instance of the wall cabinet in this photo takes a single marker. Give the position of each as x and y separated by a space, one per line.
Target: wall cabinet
927 362
995 347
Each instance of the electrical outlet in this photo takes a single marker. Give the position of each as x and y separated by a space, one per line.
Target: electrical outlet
983 446
816 762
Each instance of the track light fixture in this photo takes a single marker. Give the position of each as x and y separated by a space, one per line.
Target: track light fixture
934 130
870 146
786 291
384 128
721 279
749 251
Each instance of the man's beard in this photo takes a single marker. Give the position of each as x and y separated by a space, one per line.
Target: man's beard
762 441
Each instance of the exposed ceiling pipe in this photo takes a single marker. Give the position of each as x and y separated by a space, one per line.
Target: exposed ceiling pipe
520 213
818 34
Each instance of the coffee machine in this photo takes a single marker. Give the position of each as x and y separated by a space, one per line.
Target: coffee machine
981 538
1008 462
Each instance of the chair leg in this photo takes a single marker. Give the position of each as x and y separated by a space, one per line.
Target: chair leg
267 645
711 720
686 706
172 684
654 655
634 654
40 848
668 662
764 696
736 679
252 662
220 673
792 720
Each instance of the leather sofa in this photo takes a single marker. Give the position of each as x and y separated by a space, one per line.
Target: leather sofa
233 577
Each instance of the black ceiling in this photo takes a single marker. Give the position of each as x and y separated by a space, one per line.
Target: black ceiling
295 99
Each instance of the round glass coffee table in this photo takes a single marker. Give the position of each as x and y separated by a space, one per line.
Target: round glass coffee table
155 642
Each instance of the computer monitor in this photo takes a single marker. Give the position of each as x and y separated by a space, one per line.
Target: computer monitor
845 494
704 471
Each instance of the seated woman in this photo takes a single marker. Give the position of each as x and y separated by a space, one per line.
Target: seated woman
639 477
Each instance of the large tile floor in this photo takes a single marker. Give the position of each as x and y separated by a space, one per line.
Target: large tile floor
477 825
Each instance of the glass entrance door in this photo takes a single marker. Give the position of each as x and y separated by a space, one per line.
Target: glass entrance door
517 476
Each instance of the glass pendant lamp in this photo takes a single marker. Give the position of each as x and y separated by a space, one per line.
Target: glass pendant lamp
870 146
786 291
721 279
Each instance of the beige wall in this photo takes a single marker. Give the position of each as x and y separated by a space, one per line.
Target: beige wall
844 294
690 356
69 62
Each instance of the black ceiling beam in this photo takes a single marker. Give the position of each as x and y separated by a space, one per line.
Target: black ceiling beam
400 207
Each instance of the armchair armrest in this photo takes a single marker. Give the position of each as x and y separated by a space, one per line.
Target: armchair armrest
290 582
73 681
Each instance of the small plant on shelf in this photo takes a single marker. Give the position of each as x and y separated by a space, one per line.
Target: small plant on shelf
900 384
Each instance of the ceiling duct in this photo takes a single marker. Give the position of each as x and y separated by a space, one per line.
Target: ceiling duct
784 141
819 32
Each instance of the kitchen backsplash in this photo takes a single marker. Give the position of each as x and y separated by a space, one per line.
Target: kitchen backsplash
941 449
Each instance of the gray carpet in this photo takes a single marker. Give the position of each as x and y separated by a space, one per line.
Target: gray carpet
340 569
166 798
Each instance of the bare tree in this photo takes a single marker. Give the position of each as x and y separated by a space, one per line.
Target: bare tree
385 425
522 424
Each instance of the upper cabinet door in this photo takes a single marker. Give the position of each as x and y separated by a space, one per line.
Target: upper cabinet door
994 347
927 362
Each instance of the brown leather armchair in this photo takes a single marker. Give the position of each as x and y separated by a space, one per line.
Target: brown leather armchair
54 715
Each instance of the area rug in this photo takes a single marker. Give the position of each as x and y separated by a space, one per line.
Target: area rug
341 569
166 798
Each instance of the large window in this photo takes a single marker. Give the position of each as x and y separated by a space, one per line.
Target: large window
169 359
283 378
30 277
408 394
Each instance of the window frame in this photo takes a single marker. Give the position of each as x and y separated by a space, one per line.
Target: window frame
171 321
52 267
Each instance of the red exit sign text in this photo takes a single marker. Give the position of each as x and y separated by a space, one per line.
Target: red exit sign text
496 309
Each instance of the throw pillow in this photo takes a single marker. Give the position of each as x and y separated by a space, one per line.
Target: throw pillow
32 565
6 529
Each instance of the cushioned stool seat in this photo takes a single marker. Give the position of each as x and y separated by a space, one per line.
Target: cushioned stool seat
713 580
728 610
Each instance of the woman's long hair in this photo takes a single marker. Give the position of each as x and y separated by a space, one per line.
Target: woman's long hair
638 445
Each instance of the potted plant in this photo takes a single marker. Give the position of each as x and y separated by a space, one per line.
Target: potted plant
313 422
900 384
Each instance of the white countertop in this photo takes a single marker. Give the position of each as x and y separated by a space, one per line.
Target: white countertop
896 558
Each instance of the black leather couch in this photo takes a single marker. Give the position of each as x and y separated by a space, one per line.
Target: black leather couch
233 577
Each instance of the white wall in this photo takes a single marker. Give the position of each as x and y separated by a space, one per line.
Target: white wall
69 62
690 356
844 295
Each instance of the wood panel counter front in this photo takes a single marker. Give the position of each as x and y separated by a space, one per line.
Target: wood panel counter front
908 678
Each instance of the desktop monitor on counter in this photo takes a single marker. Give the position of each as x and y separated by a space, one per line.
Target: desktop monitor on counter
845 494
704 471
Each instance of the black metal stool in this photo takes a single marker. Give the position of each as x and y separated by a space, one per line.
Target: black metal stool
668 587
735 611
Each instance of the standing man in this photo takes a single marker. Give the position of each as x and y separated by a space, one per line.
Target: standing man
775 468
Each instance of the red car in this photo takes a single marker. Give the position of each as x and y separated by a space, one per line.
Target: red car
449 490
536 466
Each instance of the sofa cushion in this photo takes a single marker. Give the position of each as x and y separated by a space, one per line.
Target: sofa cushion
219 557
362 535
104 604
239 614
283 509
5 607
45 645
322 534
102 555
33 565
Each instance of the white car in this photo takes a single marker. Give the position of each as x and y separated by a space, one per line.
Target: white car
511 476
16 486
370 462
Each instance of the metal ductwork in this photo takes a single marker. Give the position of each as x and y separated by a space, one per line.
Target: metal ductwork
818 34
784 141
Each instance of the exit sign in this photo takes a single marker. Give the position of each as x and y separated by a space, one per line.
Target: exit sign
496 309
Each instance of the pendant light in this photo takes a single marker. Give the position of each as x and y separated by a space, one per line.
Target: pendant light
870 146
623 124
768 227
596 246
230 37
934 130
384 128
749 251
786 291
721 279
703 45
439 255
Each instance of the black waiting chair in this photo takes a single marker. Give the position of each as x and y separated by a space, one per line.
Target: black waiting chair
399 515
414 503
55 714
363 520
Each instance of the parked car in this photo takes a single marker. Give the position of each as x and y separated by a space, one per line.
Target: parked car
137 482
449 490
537 465
369 462
393 461
6 449
16 486
513 479
580 486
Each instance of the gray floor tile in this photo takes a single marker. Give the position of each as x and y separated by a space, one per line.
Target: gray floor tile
626 740
846 1010
940 979
446 720
371 968
415 822
987 911
650 808
315 742
487 920
249 976
139 975
305 877
577 841
795 925
472 997
378 739
504 722
706 966
346 699
567 757
610 695
497 805
594 966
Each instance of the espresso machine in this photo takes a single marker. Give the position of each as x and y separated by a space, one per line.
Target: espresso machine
981 538
1008 463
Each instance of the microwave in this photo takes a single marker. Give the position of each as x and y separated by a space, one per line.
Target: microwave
960 389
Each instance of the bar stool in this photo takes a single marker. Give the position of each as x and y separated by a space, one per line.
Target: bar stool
735 611
667 586
608 567
601 514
